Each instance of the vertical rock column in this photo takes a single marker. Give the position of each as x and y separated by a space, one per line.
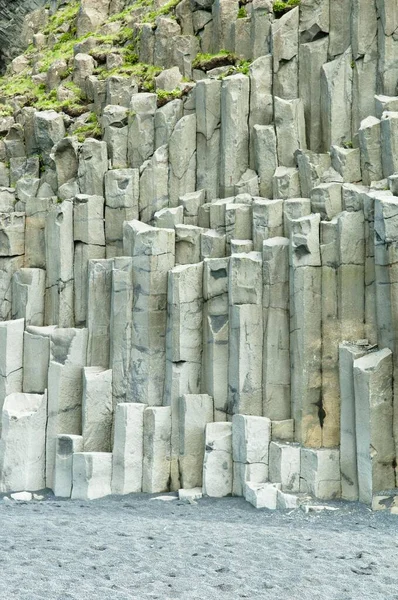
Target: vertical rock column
66 447
89 236
348 353
195 411
218 463
331 331
388 47
261 100
343 307
28 291
68 351
11 357
386 265
182 159
121 328
22 444
99 312
276 358
97 409
153 254
216 334
312 56
36 358
234 158
183 340
141 128
59 265
157 438
208 119
128 448
336 100
285 43
251 437
121 204
374 423
370 268
245 334
305 330
365 51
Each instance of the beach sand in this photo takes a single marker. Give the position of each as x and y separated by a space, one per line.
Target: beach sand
136 547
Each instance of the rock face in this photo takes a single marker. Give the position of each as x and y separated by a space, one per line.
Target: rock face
12 16
198 284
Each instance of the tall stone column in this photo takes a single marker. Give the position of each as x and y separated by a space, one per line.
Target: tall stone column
59 265
121 328
208 120
374 423
183 342
216 334
245 334
276 358
153 253
234 158
305 330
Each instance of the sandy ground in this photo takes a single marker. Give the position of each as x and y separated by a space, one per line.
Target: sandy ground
134 547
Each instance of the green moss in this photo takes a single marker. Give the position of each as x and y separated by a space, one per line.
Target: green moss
164 96
206 62
129 11
244 67
166 9
91 128
242 13
124 41
62 16
280 7
6 110
144 74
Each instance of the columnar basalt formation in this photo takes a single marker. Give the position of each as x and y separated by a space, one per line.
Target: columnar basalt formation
198 248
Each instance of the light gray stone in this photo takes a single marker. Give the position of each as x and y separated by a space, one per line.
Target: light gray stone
217 466
141 134
251 437
152 250
115 134
97 410
154 185
290 130
92 475
276 359
284 465
93 164
336 99
234 132
67 445
157 447
374 431
128 448
28 290
64 409
182 159
195 411
99 312
320 473
22 444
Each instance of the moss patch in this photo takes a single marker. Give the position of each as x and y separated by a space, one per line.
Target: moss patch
280 7
207 62
90 129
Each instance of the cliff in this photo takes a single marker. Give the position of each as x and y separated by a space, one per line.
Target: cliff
198 238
